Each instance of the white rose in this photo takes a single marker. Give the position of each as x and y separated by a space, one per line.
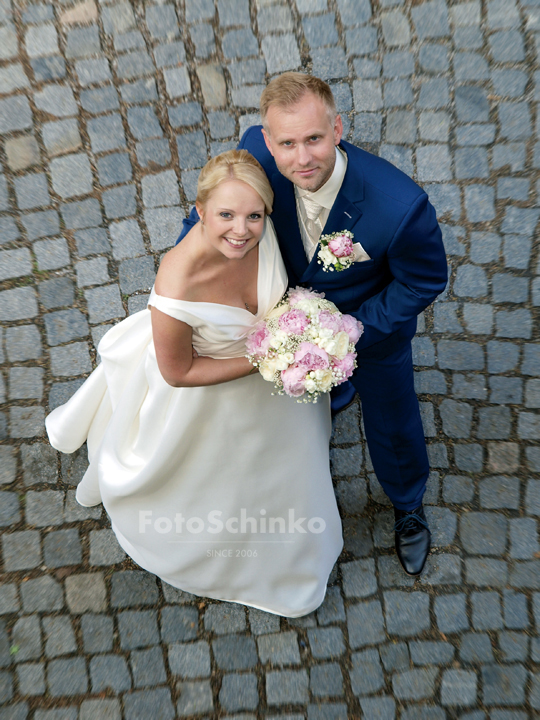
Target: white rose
310 384
342 345
279 339
327 256
329 344
282 363
268 368
310 307
278 311
324 379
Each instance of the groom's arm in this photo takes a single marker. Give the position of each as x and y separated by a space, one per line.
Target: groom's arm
417 262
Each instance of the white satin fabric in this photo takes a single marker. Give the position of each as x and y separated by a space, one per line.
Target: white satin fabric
232 449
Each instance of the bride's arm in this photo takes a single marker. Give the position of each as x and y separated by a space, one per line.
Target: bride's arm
178 366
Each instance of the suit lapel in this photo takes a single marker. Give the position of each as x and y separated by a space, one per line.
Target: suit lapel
285 221
345 213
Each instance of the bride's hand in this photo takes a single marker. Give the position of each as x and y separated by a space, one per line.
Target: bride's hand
194 353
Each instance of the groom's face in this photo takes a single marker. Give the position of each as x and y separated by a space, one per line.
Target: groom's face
302 140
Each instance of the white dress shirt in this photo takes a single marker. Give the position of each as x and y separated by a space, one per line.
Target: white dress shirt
325 196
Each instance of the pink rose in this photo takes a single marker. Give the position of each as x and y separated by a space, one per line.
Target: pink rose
341 246
294 322
330 321
352 327
300 293
311 356
294 380
258 341
346 365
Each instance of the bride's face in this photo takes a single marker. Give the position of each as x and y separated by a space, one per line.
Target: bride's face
233 218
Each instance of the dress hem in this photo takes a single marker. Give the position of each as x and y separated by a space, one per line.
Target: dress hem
129 549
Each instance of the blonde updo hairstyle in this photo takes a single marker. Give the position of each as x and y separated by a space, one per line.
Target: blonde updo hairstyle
234 165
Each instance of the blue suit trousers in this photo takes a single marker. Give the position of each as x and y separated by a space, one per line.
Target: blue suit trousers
393 426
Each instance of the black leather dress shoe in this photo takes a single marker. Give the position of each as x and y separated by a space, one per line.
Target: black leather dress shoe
413 539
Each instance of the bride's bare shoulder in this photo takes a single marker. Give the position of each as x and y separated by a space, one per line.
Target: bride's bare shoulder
174 277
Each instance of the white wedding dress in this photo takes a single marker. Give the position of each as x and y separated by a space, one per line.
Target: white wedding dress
223 491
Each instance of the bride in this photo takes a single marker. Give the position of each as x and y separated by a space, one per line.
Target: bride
210 482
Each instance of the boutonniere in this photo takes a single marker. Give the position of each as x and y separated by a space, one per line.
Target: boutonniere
337 252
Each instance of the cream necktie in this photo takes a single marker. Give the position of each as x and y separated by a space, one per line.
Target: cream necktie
313 224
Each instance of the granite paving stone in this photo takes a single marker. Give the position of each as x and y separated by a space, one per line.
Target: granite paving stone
190 660
104 548
92 272
262 623
170 54
485 572
365 624
120 201
82 42
25 383
224 618
395 656
414 684
431 653
62 547
97 633
104 303
366 672
59 636
504 685
486 610
26 635
514 645
109 672
106 133
81 214
287 686
178 624
21 550
99 100
279 649
85 592
451 613
17 304
109 111
234 652
238 692
8 460
31 679
139 91
22 152
67 677
108 709
326 680
458 687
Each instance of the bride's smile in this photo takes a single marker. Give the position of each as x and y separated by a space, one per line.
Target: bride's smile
232 219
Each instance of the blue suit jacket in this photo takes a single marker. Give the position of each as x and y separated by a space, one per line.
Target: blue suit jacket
391 217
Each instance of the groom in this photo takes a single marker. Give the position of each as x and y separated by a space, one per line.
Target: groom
324 185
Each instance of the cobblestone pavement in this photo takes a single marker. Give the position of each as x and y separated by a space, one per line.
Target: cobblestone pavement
107 112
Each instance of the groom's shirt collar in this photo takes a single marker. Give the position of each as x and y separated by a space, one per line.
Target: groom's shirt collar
327 194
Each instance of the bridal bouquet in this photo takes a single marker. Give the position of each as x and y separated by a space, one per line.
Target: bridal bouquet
305 346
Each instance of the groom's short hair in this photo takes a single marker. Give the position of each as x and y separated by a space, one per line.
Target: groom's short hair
288 89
